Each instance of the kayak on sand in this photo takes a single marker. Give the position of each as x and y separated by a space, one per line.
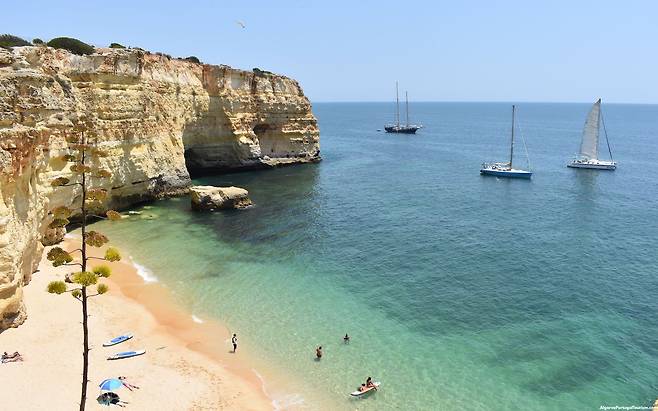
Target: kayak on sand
126 354
118 340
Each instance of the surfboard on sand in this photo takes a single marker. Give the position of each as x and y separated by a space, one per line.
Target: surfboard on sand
126 354
118 340
366 391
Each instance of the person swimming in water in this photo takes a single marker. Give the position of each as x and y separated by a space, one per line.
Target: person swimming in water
318 352
346 339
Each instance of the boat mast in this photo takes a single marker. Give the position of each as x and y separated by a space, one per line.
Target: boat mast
406 95
598 122
397 105
511 150
606 134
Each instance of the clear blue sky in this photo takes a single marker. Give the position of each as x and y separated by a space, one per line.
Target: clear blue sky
525 50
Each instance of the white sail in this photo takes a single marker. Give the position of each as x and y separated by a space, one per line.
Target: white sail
589 147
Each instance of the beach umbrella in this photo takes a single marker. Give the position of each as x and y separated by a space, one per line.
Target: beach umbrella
110 384
103 399
109 398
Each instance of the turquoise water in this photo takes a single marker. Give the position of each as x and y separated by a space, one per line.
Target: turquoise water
459 291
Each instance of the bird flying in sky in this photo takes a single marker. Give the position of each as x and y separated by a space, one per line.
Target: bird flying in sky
241 24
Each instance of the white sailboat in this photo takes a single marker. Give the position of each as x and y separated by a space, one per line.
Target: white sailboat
502 169
589 146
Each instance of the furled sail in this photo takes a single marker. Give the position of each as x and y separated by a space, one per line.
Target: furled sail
589 147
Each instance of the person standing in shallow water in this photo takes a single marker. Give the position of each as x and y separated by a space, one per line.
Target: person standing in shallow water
346 339
234 340
318 352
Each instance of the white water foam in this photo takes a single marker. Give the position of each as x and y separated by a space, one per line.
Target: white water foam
283 403
144 272
197 319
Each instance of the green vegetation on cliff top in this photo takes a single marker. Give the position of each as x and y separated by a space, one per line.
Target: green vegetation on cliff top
8 40
75 46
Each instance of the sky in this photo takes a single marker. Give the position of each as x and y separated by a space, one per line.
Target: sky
556 51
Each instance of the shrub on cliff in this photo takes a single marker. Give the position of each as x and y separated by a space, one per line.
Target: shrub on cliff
117 46
260 72
193 59
7 40
37 41
165 55
75 46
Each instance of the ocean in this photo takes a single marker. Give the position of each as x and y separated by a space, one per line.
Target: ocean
459 291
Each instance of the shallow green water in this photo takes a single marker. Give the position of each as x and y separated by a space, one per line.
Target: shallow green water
459 291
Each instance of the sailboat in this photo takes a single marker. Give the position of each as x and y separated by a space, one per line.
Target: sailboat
589 146
506 169
397 128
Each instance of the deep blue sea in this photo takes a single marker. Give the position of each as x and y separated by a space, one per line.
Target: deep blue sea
460 291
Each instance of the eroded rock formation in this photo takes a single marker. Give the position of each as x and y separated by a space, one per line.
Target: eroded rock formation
218 198
151 114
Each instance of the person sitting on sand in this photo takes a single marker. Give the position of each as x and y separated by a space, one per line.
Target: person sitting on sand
346 339
127 384
318 352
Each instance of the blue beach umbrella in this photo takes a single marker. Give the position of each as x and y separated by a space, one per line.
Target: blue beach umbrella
110 384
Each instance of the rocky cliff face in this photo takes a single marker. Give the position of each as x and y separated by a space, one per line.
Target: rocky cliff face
158 118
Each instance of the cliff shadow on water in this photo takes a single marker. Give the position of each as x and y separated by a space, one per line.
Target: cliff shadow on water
286 191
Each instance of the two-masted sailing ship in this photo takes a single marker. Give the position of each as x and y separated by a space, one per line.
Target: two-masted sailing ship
397 127
506 169
589 145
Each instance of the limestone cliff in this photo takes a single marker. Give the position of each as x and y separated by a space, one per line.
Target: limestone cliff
157 117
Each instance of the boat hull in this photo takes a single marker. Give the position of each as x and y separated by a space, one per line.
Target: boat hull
599 165
507 173
401 129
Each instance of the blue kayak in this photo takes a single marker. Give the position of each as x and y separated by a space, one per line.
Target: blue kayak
118 340
126 354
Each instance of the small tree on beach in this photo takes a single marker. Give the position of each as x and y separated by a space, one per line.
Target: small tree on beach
82 155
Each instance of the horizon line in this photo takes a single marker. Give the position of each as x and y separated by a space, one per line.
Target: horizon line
485 101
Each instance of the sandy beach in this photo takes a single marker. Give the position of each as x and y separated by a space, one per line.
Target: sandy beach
187 366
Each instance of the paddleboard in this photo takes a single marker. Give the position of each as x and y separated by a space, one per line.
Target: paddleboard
126 354
371 389
118 340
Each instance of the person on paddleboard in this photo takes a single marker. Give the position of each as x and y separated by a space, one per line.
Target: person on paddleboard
318 352
369 383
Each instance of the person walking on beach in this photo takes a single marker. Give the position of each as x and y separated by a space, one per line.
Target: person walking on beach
234 341
318 352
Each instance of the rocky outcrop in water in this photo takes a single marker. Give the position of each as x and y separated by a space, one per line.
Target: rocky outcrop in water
219 198
158 118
